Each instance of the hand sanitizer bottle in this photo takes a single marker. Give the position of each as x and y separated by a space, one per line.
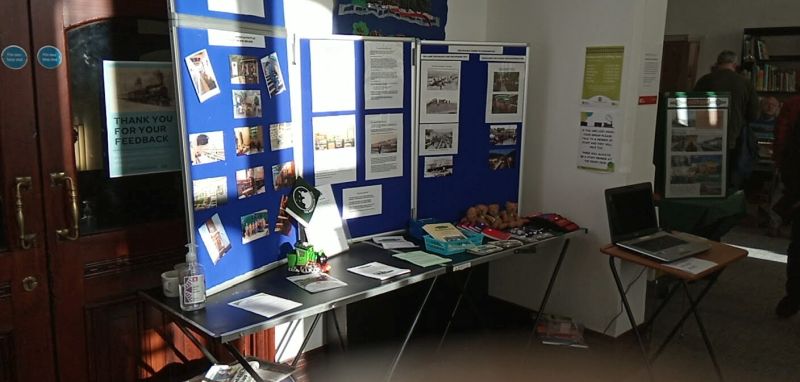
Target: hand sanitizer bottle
192 282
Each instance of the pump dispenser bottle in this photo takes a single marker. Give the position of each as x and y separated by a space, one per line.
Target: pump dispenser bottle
192 282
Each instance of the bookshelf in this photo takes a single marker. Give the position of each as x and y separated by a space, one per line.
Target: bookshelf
771 59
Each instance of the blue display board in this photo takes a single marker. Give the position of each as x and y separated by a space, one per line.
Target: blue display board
396 191
263 12
486 168
232 114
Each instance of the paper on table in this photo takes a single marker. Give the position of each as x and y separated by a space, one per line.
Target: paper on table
692 265
422 258
378 271
392 242
317 282
265 304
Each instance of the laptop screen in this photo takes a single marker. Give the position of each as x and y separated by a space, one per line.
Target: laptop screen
631 212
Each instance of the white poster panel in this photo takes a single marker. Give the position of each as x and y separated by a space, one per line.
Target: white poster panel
142 123
334 149
440 96
239 7
505 92
384 146
333 75
599 146
360 202
383 75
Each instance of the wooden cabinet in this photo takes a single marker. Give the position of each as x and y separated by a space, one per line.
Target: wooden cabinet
68 309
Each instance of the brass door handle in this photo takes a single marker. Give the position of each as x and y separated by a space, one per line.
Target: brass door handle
58 178
23 183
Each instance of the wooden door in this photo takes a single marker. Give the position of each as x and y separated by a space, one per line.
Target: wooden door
106 237
25 331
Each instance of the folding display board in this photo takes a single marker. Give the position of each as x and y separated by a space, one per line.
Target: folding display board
471 125
358 117
691 145
261 12
235 109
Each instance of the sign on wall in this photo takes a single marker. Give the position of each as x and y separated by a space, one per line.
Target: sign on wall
141 123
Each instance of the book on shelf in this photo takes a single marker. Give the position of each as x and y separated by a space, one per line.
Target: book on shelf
560 330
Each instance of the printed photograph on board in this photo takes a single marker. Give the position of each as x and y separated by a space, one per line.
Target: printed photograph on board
143 89
280 136
250 182
438 139
501 159
504 103
283 175
384 143
255 226
209 193
246 104
202 73
443 78
501 135
249 140
441 105
696 142
506 82
207 147
215 239
244 69
273 74
699 175
438 166
700 119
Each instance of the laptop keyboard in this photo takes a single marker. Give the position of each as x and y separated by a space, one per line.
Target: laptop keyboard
660 243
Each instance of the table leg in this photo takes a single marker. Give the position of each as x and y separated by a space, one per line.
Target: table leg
197 343
693 308
285 338
546 297
306 339
712 280
455 309
411 330
242 361
628 311
342 343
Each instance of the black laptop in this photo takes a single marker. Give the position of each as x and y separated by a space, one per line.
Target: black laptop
634 226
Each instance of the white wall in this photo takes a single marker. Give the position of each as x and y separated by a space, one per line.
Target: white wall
466 20
718 24
558 33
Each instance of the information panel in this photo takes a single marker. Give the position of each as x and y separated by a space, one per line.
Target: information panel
471 126
358 120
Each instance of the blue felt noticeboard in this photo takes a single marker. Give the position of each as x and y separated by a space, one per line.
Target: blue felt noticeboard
273 13
232 144
472 181
396 191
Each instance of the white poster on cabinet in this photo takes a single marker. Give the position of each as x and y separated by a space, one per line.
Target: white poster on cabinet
333 75
384 143
383 75
440 96
334 149
505 92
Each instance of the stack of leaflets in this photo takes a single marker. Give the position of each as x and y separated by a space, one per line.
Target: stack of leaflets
560 330
378 270
236 373
393 242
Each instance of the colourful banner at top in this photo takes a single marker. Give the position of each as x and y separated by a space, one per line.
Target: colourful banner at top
424 19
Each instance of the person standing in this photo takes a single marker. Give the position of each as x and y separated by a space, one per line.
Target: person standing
743 108
787 155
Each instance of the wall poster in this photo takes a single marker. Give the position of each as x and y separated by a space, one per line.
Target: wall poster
141 119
